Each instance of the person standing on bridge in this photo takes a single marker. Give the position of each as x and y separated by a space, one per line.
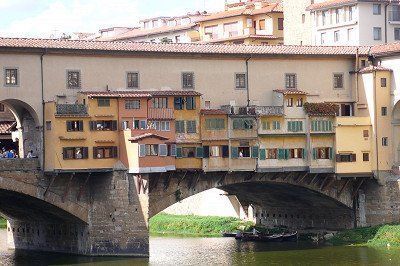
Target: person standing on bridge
30 154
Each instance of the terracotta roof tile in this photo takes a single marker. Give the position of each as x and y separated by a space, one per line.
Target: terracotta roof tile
321 109
147 135
291 92
6 127
139 94
102 46
242 37
386 49
369 69
213 112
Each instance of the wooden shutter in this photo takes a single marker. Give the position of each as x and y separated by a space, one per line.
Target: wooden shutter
234 152
114 125
330 150
206 151
69 125
254 152
163 150
94 152
304 153
314 153
80 123
64 153
178 152
225 151
287 151
289 126
338 158
173 150
92 125
262 154
281 154
353 157
199 152
85 152
115 152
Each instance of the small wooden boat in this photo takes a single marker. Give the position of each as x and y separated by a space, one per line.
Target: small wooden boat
228 234
267 238
290 237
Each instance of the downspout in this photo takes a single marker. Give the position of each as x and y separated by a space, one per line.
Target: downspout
43 110
386 6
376 127
357 72
247 81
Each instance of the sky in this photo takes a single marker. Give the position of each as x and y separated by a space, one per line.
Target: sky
44 18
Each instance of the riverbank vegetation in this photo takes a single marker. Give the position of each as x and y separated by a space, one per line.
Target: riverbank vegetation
191 225
382 235
3 223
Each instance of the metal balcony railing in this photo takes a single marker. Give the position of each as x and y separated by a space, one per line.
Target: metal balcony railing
394 16
269 110
239 110
71 109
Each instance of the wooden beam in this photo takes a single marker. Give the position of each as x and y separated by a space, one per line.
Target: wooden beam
275 176
53 177
287 175
313 179
66 191
167 181
355 191
323 182
302 178
182 178
82 188
343 187
221 181
249 176
330 183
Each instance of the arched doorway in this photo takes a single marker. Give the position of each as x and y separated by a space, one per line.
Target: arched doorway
26 134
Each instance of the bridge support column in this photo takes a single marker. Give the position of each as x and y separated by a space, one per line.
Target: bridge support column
118 217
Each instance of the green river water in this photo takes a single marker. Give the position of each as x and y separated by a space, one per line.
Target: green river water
217 251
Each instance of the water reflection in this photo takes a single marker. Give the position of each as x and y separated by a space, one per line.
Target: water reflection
217 251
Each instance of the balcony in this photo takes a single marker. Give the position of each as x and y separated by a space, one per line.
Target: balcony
71 110
239 110
394 16
161 114
269 110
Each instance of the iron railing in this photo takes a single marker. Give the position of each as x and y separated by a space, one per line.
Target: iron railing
71 109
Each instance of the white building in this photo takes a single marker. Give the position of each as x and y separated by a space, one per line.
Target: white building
341 22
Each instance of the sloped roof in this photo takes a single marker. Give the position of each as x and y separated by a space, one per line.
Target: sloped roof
291 92
6 127
337 3
147 135
369 69
386 49
321 109
137 47
139 94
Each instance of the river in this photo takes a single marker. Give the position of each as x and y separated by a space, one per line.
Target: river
216 251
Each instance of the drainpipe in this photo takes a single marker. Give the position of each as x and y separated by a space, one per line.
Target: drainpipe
43 110
386 21
376 127
247 81
357 74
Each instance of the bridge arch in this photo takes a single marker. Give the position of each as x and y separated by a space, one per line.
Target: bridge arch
29 130
279 198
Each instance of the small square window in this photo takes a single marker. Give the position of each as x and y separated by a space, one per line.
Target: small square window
132 79
103 102
11 77
290 81
73 79
338 81
299 102
289 102
385 141
280 23
132 104
376 9
240 80
188 80
383 82
48 125
397 34
336 36
365 156
384 111
366 133
377 33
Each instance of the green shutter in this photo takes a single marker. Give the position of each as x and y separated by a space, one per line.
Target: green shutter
314 152
289 126
281 154
254 152
331 153
262 154
199 152
304 154
234 152
178 152
287 152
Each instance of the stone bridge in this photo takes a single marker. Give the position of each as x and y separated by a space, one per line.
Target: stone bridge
106 213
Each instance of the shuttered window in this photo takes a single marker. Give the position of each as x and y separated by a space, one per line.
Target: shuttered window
323 153
191 126
105 152
142 150
103 102
321 125
190 103
242 124
172 149
132 104
132 80
104 125
276 125
179 103
215 123
180 126
75 153
76 125
290 81
187 80
163 149
295 126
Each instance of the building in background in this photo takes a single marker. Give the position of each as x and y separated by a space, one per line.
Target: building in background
341 22
7 126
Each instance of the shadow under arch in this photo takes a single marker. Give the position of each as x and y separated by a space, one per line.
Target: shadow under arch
19 109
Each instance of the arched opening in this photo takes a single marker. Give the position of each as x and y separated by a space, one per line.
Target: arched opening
24 132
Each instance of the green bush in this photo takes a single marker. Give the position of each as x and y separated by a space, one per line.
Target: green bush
371 236
195 225
3 223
